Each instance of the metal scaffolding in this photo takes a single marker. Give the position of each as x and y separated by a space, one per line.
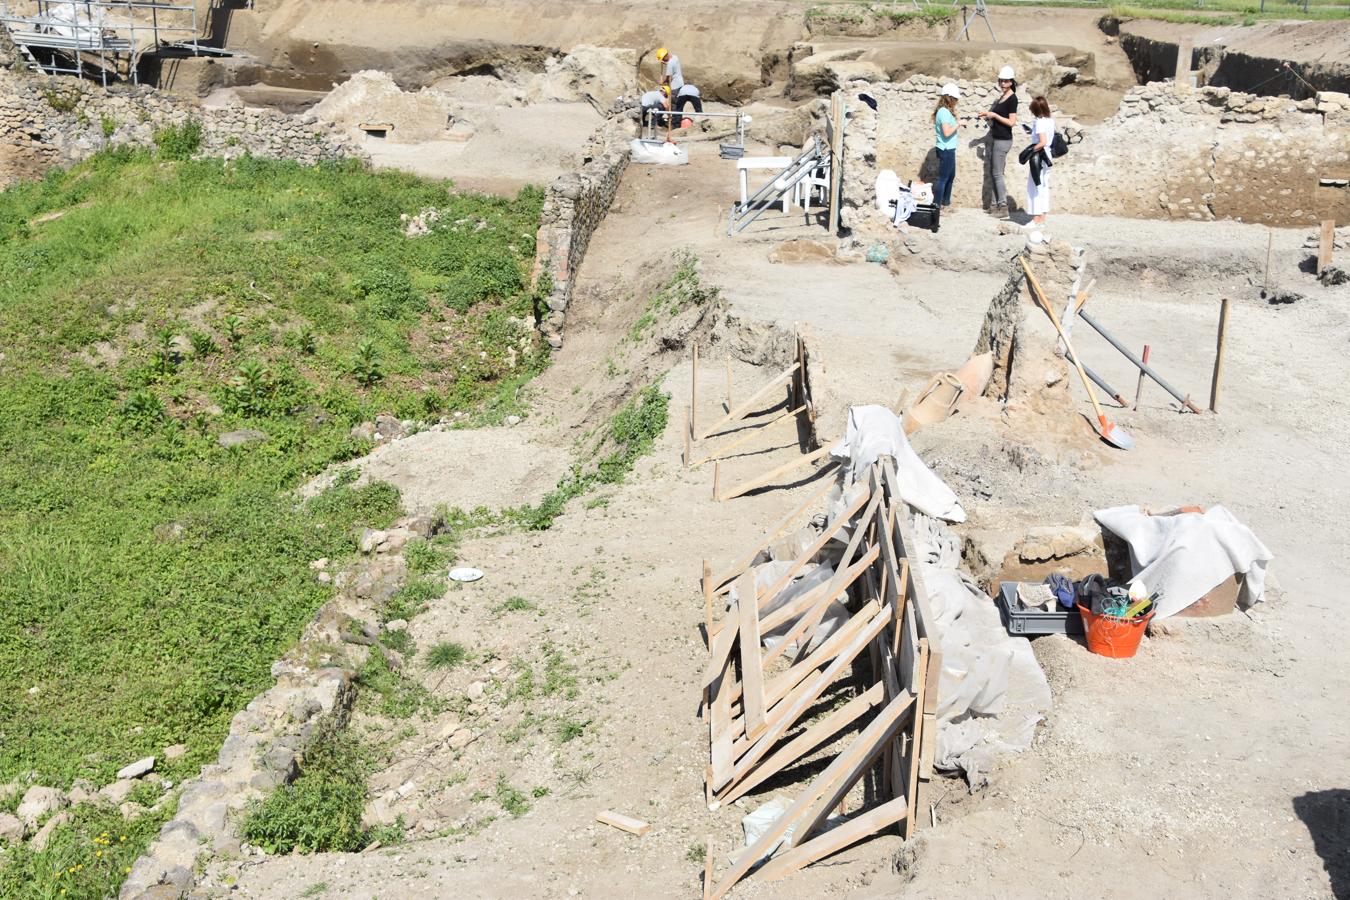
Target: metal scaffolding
103 39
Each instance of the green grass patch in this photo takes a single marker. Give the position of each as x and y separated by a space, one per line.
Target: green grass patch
629 436
148 575
85 858
321 810
388 692
514 604
446 655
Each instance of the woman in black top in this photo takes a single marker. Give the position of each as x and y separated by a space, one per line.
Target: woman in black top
1002 117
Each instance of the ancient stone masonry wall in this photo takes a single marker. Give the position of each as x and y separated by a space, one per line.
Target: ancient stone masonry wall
575 206
1170 152
61 121
313 694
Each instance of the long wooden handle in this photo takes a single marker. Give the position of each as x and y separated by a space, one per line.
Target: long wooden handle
1054 320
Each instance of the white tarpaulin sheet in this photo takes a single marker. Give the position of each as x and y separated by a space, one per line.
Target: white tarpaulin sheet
658 153
875 431
1186 555
992 692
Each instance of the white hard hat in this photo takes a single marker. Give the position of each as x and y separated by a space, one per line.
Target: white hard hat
951 90
1005 73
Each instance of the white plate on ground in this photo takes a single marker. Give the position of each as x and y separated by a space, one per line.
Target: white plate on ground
464 573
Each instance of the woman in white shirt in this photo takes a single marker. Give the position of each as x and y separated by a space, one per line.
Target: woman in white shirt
1038 174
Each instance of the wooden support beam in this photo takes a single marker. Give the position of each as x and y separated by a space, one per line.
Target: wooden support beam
769 477
722 451
813 737
722 644
1218 358
814 688
740 411
810 552
872 822
722 582
882 725
862 754
752 668
1326 243
623 823
693 394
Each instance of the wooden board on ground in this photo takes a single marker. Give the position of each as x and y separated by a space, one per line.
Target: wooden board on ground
623 823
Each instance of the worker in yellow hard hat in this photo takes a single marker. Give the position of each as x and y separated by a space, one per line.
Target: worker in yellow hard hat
672 75
657 98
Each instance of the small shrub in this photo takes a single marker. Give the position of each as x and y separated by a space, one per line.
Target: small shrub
203 345
143 411
63 101
166 353
234 330
400 641
179 141
425 558
388 289
109 125
510 799
250 392
320 812
514 604
446 655
412 598
368 368
306 341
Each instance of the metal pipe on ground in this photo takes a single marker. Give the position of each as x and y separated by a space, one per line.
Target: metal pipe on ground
1139 363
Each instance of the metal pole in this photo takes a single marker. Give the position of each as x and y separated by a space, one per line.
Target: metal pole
1139 363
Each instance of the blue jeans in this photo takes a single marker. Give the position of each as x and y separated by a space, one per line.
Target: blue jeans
942 189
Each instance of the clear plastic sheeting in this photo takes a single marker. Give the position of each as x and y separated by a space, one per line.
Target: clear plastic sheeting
875 431
992 690
1187 555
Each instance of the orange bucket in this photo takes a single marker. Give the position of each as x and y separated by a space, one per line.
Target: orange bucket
1111 635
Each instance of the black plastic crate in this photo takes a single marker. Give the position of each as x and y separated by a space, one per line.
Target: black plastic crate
1032 622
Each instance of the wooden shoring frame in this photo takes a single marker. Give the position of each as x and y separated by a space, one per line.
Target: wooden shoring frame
758 702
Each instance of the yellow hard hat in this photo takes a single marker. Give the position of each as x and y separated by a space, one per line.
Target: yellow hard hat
662 53
665 89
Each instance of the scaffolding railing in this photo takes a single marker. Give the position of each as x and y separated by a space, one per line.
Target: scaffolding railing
67 37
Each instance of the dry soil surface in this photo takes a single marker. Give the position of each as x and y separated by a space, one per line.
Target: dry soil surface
1211 765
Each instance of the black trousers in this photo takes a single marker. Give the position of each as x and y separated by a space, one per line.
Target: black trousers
686 100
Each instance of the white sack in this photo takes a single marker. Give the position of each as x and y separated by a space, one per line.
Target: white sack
888 191
1188 554
657 153
875 431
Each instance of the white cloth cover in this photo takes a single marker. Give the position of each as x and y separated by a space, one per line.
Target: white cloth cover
657 153
875 431
1188 554
993 692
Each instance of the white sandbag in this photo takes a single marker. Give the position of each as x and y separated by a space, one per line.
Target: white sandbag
658 153
1187 555
875 431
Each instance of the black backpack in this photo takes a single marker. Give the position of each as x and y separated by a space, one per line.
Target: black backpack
1058 146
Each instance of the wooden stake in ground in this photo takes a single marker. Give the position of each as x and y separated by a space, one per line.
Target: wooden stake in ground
689 435
728 384
1218 358
1139 388
1270 248
1325 244
693 395
836 158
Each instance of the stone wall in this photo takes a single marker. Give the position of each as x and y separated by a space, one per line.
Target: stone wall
575 206
312 695
60 121
1170 152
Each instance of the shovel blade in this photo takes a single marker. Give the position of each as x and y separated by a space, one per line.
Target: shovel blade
1114 435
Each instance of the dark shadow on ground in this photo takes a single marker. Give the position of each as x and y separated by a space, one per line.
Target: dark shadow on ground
1327 815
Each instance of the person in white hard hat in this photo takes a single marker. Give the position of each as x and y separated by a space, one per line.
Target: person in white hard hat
1002 118
944 129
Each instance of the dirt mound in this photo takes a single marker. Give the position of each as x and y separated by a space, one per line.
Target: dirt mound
372 97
